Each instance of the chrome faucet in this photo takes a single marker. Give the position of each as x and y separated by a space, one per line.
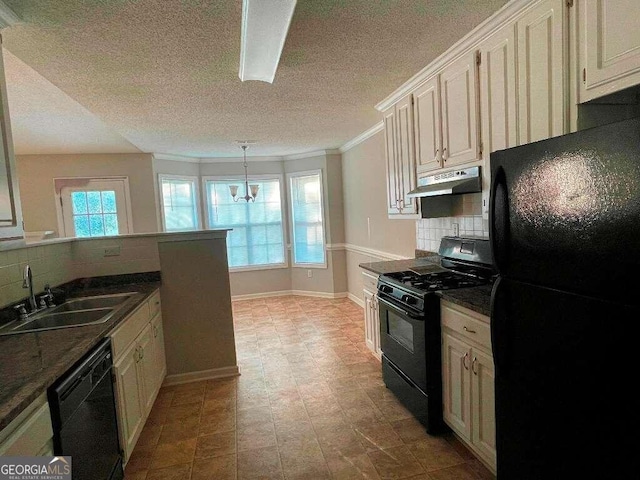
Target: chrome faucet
27 282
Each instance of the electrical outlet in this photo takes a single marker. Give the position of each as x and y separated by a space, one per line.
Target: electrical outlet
456 229
309 273
112 251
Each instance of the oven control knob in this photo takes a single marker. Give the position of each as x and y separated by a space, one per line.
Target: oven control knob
386 289
409 300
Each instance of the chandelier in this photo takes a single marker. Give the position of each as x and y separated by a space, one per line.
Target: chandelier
233 189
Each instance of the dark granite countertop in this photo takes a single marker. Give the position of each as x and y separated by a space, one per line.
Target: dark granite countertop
31 362
399 265
477 299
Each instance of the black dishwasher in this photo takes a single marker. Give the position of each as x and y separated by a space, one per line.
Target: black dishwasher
84 419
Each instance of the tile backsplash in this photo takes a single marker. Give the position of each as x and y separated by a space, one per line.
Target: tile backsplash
62 262
463 210
429 231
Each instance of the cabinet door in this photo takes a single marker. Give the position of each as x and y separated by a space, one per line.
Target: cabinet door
393 198
610 46
456 364
146 367
129 401
498 91
426 125
483 405
160 362
541 72
405 155
459 111
369 320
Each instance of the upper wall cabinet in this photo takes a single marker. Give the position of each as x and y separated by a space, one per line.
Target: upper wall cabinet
10 214
542 71
498 90
609 46
445 116
401 165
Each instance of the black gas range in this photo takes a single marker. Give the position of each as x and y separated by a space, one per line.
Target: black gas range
410 334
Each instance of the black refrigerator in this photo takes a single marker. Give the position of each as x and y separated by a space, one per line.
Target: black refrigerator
565 309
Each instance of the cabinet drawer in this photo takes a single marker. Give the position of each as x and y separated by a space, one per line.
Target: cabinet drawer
467 323
154 304
370 281
129 330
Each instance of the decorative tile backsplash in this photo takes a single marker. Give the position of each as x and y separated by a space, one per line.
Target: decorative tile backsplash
465 211
429 231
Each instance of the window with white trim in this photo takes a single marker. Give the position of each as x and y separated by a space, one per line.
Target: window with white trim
307 222
257 238
179 200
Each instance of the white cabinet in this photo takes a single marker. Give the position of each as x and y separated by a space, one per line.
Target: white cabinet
445 116
541 33
468 379
30 433
609 46
401 166
459 85
371 316
130 394
498 93
140 367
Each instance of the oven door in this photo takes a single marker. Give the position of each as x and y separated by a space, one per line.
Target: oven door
402 339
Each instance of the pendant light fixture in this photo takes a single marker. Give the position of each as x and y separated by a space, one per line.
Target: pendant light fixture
233 189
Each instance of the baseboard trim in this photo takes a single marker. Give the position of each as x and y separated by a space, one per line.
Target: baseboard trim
355 299
284 293
221 372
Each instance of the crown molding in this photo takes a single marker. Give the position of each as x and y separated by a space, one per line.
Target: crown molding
496 21
7 16
176 158
240 159
362 137
317 153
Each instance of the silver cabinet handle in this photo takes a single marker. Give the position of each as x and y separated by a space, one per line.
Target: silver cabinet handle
155 331
435 159
141 352
444 154
137 356
473 366
467 330
464 361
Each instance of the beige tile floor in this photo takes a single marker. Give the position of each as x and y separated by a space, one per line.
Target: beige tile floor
309 404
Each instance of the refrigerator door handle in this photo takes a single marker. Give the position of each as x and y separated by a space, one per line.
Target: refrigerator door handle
499 219
499 336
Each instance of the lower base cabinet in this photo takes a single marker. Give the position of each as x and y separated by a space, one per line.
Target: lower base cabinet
30 433
468 380
371 317
139 369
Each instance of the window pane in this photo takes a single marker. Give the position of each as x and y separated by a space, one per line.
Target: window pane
257 236
306 213
94 202
180 204
111 224
79 202
96 225
81 224
109 201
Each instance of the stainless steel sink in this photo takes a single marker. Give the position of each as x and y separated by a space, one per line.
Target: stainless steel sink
91 303
74 313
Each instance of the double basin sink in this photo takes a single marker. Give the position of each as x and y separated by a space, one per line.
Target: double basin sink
73 313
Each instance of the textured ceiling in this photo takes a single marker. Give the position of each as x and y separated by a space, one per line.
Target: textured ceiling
45 120
164 74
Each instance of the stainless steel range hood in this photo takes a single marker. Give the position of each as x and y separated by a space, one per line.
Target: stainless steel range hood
455 182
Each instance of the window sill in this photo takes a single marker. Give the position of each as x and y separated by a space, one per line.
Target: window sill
254 268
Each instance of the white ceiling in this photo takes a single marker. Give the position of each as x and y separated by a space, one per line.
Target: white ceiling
162 76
